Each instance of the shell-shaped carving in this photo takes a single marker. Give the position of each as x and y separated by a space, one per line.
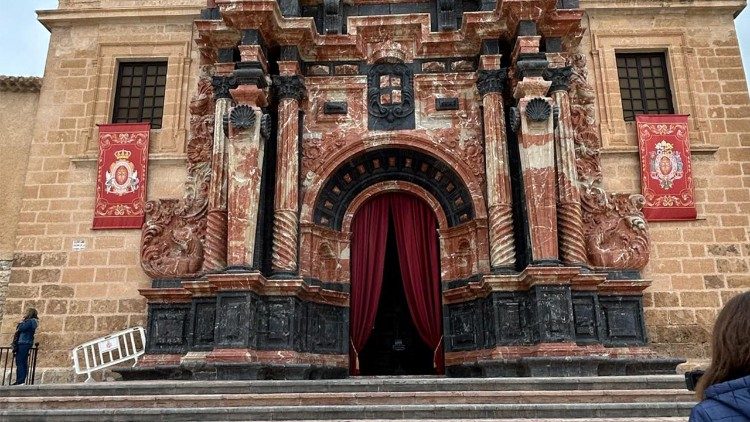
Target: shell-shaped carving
538 110
242 117
515 118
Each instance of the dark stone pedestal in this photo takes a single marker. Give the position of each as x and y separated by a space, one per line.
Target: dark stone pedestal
565 366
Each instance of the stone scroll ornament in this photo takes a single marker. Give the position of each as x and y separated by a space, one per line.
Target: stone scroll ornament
666 170
615 230
174 231
121 176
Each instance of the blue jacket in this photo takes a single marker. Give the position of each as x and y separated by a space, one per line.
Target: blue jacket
725 402
26 331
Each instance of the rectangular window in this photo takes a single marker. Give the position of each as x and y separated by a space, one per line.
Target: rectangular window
140 93
644 84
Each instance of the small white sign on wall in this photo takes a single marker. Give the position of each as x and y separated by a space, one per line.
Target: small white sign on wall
79 245
108 345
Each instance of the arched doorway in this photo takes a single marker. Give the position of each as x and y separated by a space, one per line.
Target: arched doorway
395 317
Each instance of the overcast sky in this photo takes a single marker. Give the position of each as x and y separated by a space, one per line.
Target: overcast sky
23 40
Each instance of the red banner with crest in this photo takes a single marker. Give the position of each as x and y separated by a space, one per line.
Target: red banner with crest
666 170
121 176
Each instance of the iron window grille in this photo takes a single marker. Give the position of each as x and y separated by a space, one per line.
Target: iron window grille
644 84
140 93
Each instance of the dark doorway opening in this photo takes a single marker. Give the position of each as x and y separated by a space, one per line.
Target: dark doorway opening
394 346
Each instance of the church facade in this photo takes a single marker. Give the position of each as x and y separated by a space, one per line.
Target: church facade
385 187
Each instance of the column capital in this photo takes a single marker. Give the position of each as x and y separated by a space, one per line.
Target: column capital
491 80
222 85
289 86
560 78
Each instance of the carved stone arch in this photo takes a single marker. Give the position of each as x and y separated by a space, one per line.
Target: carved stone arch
388 187
360 172
314 181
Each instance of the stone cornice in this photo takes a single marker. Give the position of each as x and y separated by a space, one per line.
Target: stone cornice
364 33
20 84
62 17
665 6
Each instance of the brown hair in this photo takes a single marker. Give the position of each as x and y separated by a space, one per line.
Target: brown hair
730 344
31 313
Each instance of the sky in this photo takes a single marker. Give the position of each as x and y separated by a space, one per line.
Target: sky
23 40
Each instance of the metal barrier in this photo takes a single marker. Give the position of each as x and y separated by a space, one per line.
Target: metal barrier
109 350
8 361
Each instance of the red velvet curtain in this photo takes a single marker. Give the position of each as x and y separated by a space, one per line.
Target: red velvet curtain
369 236
416 240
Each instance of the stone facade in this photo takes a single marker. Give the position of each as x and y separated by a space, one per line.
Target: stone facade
18 104
454 86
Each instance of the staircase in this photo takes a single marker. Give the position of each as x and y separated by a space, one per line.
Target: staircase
622 399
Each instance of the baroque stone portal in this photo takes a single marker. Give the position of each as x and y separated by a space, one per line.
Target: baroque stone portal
304 110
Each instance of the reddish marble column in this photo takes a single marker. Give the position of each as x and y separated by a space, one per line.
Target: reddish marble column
569 215
533 122
245 169
291 90
215 248
491 83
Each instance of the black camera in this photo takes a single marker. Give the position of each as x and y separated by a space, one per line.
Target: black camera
692 378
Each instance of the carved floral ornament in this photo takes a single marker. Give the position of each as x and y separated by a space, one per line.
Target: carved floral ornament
615 230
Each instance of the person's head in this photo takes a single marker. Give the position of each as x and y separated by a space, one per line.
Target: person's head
30 313
730 354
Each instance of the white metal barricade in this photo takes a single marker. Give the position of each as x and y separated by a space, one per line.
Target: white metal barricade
109 350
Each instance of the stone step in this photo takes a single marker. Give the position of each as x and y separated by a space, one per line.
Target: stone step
434 412
348 398
355 384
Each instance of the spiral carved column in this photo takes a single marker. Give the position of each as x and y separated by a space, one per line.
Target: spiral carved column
215 247
499 200
569 214
291 90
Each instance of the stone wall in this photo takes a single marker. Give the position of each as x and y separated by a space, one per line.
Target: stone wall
18 102
81 295
695 266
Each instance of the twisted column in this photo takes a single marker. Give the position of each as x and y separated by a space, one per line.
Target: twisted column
569 214
215 247
499 198
291 90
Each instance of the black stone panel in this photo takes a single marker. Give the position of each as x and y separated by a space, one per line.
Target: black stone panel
511 318
446 104
327 328
585 319
622 320
395 83
167 328
237 320
463 328
553 313
202 324
279 325
289 8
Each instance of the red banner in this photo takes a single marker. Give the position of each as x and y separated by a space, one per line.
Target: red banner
121 176
666 171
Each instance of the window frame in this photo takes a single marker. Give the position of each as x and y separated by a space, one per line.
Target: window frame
665 76
121 64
